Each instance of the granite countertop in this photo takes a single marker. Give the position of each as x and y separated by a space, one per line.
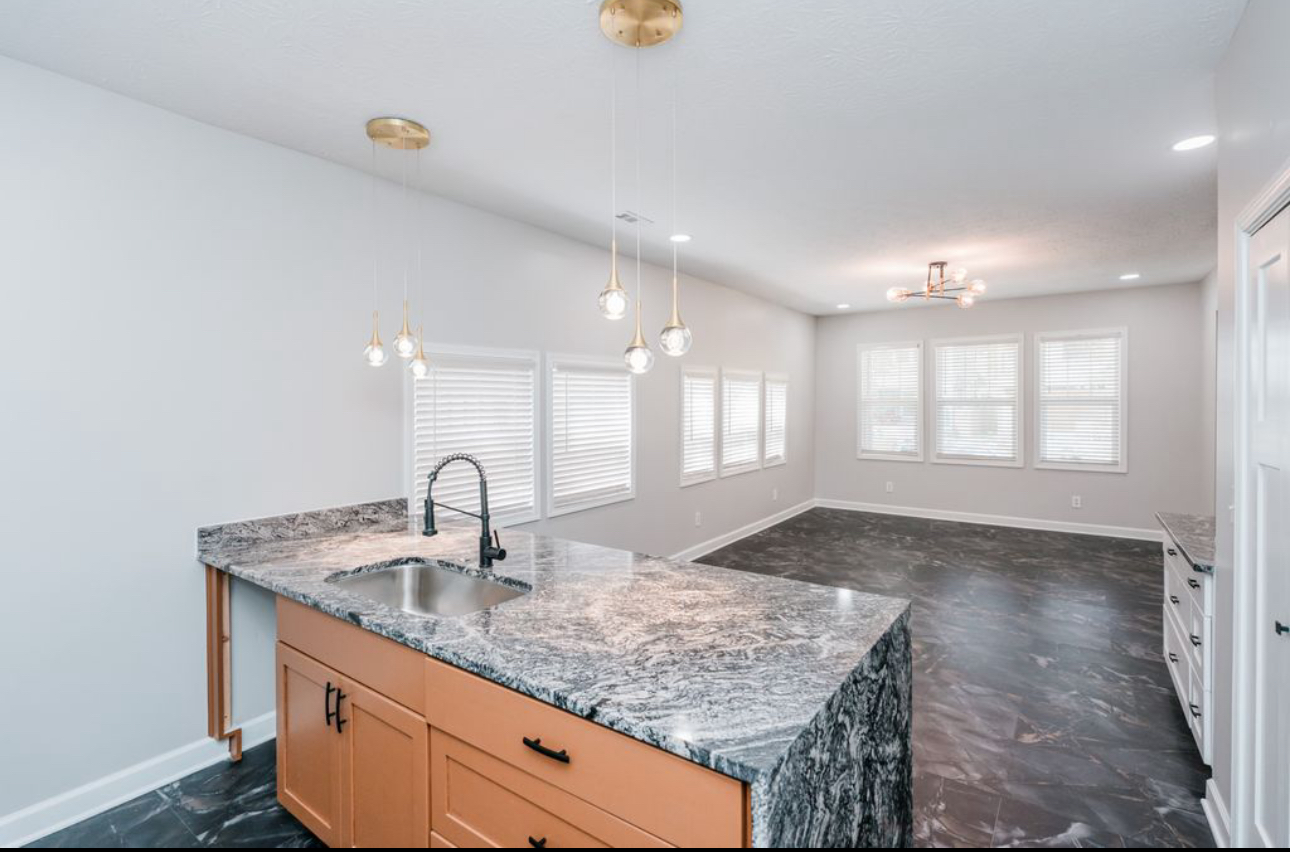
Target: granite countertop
1194 535
725 668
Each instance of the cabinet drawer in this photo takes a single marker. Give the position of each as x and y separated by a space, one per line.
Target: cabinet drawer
1197 630
686 804
1176 657
393 670
478 800
1177 599
1197 710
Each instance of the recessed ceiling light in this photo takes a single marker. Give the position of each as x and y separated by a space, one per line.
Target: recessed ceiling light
680 238
843 306
1130 276
1194 142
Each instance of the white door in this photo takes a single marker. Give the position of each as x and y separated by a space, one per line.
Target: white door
1269 312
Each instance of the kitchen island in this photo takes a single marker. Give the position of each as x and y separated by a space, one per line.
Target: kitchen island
799 692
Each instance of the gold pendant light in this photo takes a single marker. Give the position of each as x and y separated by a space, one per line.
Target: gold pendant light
401 134
613 299
419 366
675 338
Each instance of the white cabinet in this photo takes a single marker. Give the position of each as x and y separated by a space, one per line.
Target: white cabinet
1188 641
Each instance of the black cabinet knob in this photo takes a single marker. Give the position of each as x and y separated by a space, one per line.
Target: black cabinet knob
1173 599
340 723
1173 658
1282 628
327 711
1195 711
1195 640
1172 552
537 844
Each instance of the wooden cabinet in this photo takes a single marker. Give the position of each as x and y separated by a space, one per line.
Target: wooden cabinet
353 766
378 745
385 793
308 745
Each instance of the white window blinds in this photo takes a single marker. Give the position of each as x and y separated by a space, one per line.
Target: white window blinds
698 425
978 400
485 405
1081 399
591 435
776 440
889 407
740 421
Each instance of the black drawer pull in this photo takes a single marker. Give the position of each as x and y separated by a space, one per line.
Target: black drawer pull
536 745
328 714
1195 711
1193 582
1173 658
1282 628
1171 552
537 844
1195 640
340 723
1173 599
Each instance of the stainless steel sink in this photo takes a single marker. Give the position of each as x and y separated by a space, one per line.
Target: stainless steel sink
428 589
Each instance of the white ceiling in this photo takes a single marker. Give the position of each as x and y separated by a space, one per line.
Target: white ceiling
828 149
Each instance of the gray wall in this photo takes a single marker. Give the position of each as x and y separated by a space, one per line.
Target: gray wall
1253 103
1165 466
183 319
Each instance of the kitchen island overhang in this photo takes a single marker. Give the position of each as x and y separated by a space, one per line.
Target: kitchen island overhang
802 692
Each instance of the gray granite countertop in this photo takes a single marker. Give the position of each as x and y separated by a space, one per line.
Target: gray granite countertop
1194 535
731 670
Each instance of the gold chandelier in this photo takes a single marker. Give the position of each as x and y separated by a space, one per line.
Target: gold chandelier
939 286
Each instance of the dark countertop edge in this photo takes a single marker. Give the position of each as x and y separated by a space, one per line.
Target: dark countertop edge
733 768
1204 566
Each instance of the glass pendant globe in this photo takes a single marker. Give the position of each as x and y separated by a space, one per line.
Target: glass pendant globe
966 300
613 303
405 345
375 355
675 340
419 368
639 359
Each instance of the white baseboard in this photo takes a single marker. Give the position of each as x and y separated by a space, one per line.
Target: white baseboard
1216 812
57 812
994 520
704 548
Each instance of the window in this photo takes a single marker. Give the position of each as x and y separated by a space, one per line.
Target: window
698 425
740 421
1080 418
483 403
591 461
978 401
776 446
889 401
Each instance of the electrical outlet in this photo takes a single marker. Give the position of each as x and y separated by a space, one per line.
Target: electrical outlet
891 486
698 519
774 494
1077 502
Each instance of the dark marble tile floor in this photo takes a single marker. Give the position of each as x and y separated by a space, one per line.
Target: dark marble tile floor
1043 712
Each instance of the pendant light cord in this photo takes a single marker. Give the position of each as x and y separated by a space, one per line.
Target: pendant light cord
639 192
371 221
613 148
675 89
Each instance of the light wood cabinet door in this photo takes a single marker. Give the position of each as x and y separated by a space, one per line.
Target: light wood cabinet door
385 767
309 747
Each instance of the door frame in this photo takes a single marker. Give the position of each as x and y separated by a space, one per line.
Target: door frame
1274 197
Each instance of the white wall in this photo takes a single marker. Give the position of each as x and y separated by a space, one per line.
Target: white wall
1164 434
1208 336
1253 106
183 315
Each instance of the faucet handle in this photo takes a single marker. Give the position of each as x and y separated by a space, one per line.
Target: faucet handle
497 551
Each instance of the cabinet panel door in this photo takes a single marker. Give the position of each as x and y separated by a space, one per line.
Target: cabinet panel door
386 771
309 747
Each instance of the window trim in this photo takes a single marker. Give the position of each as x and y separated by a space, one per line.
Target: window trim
715 375
550 362
1123 333
724 470
1019 417
861 348
450 350
766 379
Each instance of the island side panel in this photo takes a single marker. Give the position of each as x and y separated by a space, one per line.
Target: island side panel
848 779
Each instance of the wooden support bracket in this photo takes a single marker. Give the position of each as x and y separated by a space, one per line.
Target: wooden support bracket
219 663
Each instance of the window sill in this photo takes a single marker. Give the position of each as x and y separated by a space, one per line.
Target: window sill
554 512
889 457
1087 468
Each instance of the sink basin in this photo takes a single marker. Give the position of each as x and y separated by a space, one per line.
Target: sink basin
428 589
